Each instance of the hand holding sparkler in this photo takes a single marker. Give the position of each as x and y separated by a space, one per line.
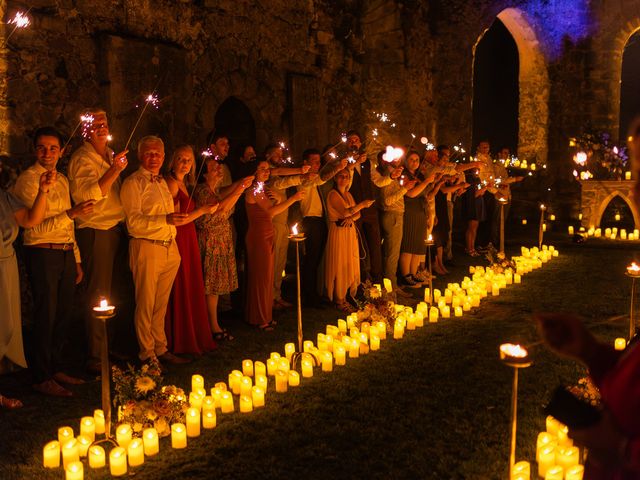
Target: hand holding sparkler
47 181
304 169
120 161
177 219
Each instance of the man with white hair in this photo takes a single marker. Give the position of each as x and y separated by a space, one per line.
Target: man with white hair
153 254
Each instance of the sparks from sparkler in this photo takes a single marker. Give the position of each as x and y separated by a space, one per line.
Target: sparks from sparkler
151 99
20 20
258 188
206 154
580 158
392 154
86 121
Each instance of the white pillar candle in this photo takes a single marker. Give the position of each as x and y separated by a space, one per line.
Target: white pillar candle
289 350
88 428
546 459
554 473
70 452
574 473
196 399
364 343
221 386
627 175
294 377
98 418
74 471
307 368
261 381
208 419
51 454
118 461
208 403
282 381
96 456
247 367
620 344
246 404
342 326
375 344
245 386
197 381
83 445
446 312
327 361
545 439
387 284
275 355
552 425
354 348
567 457
332 330
178 435
135 452
150 441
193 422
215 394
234 381
226 402
398 330
458 311
308 344
272 367
382 330
517 278
124 434
283 364
65 434
259 368
340 354
257 395
434 313
521 470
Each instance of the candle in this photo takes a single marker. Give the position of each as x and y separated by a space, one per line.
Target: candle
294 377
553 425
567 457
571 230
208 419
436 294
83 445
246 404
234 381
98 418
446 312
354 348
546 459
261 381
123 435
375 344
135 452
545 439
398 330
521 470
620 344
118 461
272 366
104 307
308 344
434 313
517 278
197 382
524 221
88 428
289 350
70 452
65 434
563 437
617 217
275 355
226 402
458 311
247 367
221 386
208 403
283 364
178 436
307 368
327 361
74 471
342 326
627 175
554 473
193 422
257 396
150 442
387 284
195 400
340 354
282 381
245 386
96 457
382 330
574 473
51 455
259 368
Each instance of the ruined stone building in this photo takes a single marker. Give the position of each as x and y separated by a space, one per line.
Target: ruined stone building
305 70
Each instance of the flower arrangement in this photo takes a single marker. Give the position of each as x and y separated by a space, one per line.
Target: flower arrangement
143 401
597 157
375 305
498 260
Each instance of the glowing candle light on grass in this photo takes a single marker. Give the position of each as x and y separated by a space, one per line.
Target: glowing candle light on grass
97 458
226 402
546 459
521 470
245 385
88 428
208 419
289 350
257 395
294 378
620 344
83 445
193 422
340 355
272 366
118 461
70 452
554 473
327 362
74 471
246 404
262 382
282 381
135 452
98 418
307 368
150 441
197 381
178 436
575 472
259 368
65 434
51 455
124 434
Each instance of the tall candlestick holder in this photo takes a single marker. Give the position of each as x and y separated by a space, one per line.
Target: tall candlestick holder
104 312
429 243
543 208
297 356
503 202
516 357
633 271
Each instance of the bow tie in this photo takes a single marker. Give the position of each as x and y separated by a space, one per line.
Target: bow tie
156 178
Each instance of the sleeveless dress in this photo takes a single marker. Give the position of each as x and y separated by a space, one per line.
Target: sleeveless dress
260 261
342 254
414 226
186 323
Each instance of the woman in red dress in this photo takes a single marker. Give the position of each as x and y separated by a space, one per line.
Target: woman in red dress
260 253
186 323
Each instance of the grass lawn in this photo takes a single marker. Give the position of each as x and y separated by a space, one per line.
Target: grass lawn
434 405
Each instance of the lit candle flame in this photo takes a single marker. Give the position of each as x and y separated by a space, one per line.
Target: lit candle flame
514 351
580 158
430 238
294 229
104 303
634 268
20 20
343 138
542 207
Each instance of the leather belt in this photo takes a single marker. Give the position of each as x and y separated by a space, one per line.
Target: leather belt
164 243
53 246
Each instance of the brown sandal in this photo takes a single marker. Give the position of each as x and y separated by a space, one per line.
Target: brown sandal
10 403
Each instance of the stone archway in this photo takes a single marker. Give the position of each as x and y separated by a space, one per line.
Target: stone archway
533 105
235 119
596 195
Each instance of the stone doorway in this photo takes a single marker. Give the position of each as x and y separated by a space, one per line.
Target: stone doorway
630 80
234 118
533 87
596 196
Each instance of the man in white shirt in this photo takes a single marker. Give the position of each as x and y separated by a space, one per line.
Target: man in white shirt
94 174
53 263
153 254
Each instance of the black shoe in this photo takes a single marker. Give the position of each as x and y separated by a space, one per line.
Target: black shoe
408 281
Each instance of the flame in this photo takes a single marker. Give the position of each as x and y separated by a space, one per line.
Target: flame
104 303
392 154
152 99
20 20
343 138
580 158
543 207
514 351
633 268
294 229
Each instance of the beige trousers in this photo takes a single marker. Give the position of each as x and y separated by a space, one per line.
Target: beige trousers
154 268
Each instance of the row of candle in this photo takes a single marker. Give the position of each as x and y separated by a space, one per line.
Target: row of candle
333 347
609 233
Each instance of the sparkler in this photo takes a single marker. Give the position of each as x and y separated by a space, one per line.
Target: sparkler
392 154
343 140
151 99
206 154
259 188
20 20
86 121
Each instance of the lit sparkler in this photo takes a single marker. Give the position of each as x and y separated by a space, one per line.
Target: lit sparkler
86 121
19 20
151 99
258 188
580 158
392 154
